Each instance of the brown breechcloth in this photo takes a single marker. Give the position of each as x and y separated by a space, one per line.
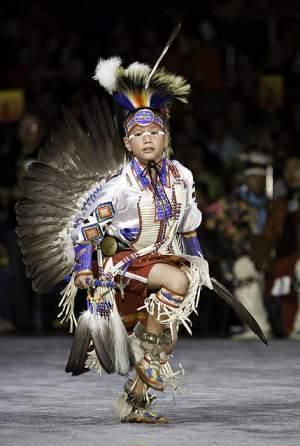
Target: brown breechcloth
136 292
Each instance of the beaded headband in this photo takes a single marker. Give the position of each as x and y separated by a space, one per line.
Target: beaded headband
143 117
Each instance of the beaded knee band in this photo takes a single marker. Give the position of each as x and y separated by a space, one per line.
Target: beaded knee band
169 298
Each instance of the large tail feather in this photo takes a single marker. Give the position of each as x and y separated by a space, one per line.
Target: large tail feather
124 358
102 343
81 343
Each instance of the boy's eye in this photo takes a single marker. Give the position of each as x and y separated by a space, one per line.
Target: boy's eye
154 132
138 134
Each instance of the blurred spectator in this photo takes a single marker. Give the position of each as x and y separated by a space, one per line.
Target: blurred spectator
248 280
282 231
240 218
16 295
195 160
221 143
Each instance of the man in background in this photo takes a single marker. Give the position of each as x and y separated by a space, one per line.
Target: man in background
282 231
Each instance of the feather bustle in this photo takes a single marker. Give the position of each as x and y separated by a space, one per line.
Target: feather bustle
71 166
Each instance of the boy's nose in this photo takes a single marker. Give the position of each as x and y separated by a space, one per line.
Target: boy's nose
147 136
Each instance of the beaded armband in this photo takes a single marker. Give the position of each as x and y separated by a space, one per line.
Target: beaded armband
191 244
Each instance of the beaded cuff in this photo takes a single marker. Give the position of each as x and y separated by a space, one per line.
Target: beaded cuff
83 257
192 245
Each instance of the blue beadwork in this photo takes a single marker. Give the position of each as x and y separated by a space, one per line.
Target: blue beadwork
192 246
107 284
141 175
83 257
163 206
144 117
103 308
129 233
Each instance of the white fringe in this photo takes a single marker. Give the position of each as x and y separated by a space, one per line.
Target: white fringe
168 315
169 377
92 362
67 303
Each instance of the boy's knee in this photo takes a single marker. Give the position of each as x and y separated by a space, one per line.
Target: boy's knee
181 285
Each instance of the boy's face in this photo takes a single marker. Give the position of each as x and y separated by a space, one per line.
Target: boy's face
147 143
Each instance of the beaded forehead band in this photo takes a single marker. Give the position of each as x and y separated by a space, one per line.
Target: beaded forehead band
143 118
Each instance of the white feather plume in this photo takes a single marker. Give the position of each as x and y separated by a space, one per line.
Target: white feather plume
105 72
137 69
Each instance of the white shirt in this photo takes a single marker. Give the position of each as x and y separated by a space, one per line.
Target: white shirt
128 208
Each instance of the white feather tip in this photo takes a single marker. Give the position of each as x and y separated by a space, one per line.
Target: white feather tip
105 73
137 69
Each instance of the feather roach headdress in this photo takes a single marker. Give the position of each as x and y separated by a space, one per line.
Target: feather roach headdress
144 94
141 89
